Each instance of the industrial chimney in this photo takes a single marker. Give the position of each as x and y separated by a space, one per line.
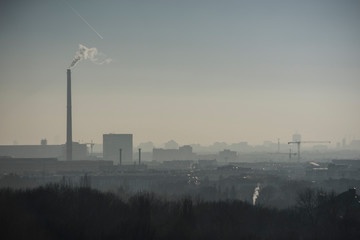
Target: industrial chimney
69 119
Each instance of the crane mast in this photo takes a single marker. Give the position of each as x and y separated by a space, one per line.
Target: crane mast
300 142
91 147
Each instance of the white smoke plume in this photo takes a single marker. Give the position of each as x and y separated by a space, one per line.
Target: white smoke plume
256 193
91 54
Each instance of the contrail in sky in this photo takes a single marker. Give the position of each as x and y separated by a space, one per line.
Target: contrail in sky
77 13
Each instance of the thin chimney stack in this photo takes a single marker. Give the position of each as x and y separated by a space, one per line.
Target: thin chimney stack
69 119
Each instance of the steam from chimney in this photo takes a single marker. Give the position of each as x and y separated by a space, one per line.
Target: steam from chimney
89 53
256 193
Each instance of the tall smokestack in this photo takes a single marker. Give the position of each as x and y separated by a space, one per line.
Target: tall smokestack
69 119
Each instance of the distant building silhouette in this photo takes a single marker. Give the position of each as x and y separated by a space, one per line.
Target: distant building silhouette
355 144
113 142
171 145
43 141
183 153
344 143
44 151
227 156
296 137
50 165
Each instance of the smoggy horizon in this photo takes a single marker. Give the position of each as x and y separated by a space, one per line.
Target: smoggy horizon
193 71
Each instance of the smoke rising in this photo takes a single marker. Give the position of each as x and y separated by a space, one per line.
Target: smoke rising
256 193
91 54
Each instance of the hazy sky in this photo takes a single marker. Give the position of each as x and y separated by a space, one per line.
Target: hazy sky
192 71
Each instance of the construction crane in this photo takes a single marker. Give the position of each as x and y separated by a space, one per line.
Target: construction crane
300 142
290 153
91 147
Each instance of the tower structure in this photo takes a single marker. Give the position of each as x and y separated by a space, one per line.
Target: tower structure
68 119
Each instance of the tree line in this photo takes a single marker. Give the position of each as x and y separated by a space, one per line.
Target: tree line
64 211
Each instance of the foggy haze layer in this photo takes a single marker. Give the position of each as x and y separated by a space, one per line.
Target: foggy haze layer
193 71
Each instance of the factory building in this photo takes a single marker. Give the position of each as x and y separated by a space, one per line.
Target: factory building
44 151
50 165
112 143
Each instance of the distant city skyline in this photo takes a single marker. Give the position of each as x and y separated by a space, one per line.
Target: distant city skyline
345 143
192 71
